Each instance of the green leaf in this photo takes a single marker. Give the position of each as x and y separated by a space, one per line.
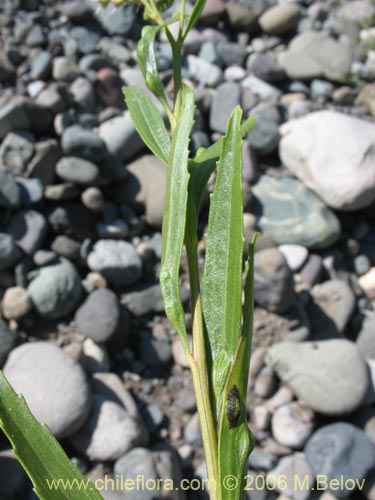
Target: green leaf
148 122
235 439
39 452
194 16
175 214
222 277
147 63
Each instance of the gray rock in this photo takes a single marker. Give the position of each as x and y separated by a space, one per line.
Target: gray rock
54 386
61 192
28 229
144 301
145 188
31 191
93 199
56 290
138 461
316 146
264 137
83 93
120 137
41 66
66 247
312 271
231 53
16 303
99 316
295 255
9 252
290 472
261 460
117 261
366 338
205 73
80 142
361 264
13 116
64 69
42 166
226 97
7 341
119 24
318 373
288 212
273 281
315 55
338 451
77 170
321 90
109 432
292 424
337 301
280 19
263 90
265 67
86 38
358 11
16 151
9 190
155 352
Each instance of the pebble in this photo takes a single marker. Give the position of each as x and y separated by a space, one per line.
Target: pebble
288 473
77 170
77 141
265 382
16 151
367 283
42 165
226 97
261 89
93 199
366 338
109 431
155 352
9 252
265 67
146 301
117 261
315 146
13 116
340 450
205 73
15 303
64 69
261 460
264 138
99 316
66 247
95 358
295 255
326 365
31 191
312 271
56 290
138 461
292 424
61 192
120 137
54 386
288 212
280 19
9 190
273 281
7 341
28 228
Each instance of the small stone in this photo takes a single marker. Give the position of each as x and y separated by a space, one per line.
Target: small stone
64 69
99 316
7 341
265 67
66 247
226 97
47 153
155 352
56 291
290 213
119 24
340 450
95 358
93 199
9 190
120 136
261 417
53 385
146 301
312 271
115 230
13 116
28 229
343 95
134 463
73 169
265 382
367 283
326 365
16 303
295 255
9 252
283 396
83 94
361 264
41 66
261 460
31 191
109 432
292 424
77 141
264 137
263 90
117 261
205 73
280 19
179 354
16 151
60 192
273 281
108 88
321 90
291 471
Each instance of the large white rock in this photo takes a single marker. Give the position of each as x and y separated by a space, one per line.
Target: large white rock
334 155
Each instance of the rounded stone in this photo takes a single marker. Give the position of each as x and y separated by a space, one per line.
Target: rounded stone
292 424
109 432
77 141
93 199
117 261
318 373
280 19
54 386
9 252
77 170
16 303
295 255
99 316
56 291
340 450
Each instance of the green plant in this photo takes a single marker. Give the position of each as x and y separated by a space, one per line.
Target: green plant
221 334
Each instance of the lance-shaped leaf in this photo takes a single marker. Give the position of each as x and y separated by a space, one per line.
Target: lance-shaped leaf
175 215
39 452
222 278
148 65
235 439
148 122
194 16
